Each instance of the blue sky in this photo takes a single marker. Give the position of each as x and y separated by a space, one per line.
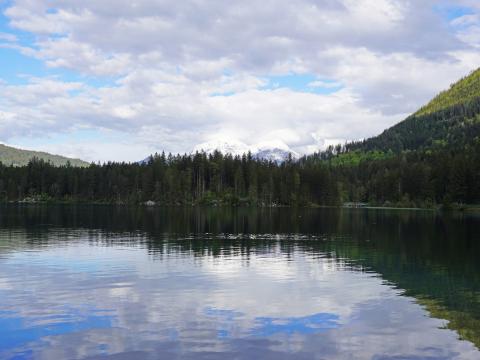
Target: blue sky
304 83
451 11
117 81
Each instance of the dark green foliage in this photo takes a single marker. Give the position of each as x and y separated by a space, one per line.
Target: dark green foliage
423 161
450 120
416 179
431 158
408 179
451 127
174 180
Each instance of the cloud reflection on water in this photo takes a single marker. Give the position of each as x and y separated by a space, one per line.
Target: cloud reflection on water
16 330
106 295
310 324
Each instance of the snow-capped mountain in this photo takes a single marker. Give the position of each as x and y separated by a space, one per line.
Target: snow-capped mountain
276 151
144 161
277 155
233 147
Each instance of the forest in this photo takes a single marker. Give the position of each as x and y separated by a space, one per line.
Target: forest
405 179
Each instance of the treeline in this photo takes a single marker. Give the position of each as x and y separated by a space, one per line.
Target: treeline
175 180
421 178
413 179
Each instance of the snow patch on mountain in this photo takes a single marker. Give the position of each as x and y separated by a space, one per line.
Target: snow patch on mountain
276 155
233 147
275 150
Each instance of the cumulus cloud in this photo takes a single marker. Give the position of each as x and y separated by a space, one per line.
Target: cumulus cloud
177 74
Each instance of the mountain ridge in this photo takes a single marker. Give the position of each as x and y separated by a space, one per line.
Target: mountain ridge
464 90
10 155
276 151
451 119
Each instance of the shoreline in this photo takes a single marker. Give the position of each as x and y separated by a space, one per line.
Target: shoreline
454 207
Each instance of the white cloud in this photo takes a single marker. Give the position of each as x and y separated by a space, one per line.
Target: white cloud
324 84
7 37
182 73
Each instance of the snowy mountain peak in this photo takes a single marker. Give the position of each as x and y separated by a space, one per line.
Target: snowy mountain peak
276 151
234 147
277 155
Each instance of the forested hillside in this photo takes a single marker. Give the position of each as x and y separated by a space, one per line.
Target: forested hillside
454 127
462 92
18 157
451 119
430 158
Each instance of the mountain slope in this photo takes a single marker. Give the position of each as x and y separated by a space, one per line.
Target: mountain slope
276 155
463 91
233 147
19 157
452 119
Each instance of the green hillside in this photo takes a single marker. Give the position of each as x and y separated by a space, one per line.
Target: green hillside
452 119
18 157
461 92
430 159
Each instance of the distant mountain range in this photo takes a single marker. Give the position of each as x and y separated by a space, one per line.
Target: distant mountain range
275 151
233 147
19 157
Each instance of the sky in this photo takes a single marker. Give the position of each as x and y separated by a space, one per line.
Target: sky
119 80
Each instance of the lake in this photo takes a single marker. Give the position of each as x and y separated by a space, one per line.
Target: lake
101 282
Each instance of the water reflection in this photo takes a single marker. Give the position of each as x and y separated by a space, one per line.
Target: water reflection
15 332
311 324
100 282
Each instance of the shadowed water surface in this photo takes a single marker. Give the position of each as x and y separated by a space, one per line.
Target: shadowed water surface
100 282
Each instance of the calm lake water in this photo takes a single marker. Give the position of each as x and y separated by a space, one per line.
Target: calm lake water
99 282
